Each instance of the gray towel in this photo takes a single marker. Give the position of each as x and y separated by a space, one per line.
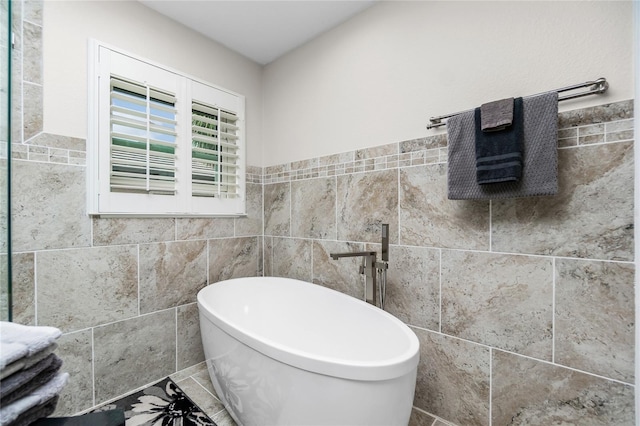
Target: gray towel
26 362
36 413
23 382
540 167
496 115
499 154
11 412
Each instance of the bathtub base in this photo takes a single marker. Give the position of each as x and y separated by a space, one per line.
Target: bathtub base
258 390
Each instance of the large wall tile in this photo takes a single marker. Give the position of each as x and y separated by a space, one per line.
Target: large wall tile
277 209
200 228
291 258
171 274
313 208
23 288
75 350
82 288
341 275
252 223
503 301
413 286
111 231
429 219
233 258
48 207
530 392
189 343
32 55
32 108
591 217
365 201
132 353
453 379
595 317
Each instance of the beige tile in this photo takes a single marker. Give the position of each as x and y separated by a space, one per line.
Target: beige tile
132 353
453 379
597 114
23 287
595 320
40 221
252 224
171 274
526 391
31 108
189 340
223 419
364 202
341 275
277 209
267 255
429 142
188 372
418 418
75 350
413 286
504 301
111 231
32 56
376 151
33 11
59 142
591 217
82 288
233 258
313 208
200 228
209 404
429 219
292 258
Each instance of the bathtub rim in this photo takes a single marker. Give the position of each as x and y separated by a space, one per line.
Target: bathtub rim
390 368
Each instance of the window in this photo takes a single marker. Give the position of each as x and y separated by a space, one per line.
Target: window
160 142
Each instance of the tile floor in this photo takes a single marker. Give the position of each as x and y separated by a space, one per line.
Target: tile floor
196 384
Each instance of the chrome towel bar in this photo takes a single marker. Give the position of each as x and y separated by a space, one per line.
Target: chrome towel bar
595 87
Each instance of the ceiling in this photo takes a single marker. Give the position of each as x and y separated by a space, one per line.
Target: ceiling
261 30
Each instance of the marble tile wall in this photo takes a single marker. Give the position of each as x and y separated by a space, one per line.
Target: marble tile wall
122 290
524 307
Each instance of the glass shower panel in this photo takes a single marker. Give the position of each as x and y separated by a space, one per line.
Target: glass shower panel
5 144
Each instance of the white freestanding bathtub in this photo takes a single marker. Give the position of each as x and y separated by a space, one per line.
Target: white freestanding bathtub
287 352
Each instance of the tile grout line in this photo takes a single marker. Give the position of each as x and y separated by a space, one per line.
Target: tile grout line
35 287
93 368
440 295
553 311
490 386
176 340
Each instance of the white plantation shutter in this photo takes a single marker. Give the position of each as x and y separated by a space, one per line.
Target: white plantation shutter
214 152
162 143
143 138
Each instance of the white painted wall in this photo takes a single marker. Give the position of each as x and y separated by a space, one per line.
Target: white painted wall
377 78
373 80
139 30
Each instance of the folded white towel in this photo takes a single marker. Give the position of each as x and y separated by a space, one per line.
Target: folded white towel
53 387
17 341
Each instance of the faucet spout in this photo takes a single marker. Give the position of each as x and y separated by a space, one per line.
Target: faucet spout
336 256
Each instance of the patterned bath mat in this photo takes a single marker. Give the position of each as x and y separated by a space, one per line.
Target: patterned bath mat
161 404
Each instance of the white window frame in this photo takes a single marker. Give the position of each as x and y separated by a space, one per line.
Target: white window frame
105 61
